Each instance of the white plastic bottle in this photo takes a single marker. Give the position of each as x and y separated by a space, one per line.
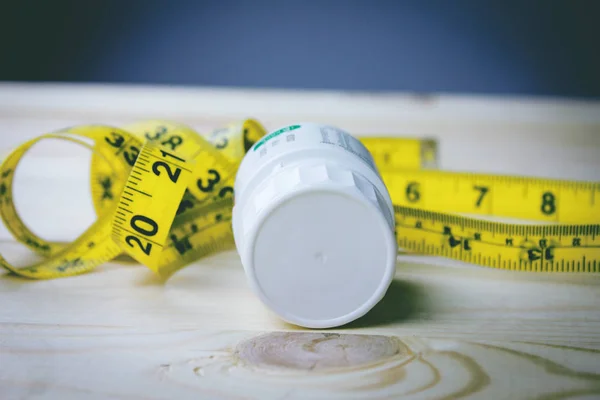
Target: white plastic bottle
314 225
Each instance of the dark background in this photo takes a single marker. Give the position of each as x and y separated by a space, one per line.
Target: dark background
493 47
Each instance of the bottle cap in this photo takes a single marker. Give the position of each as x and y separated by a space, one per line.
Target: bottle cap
316 236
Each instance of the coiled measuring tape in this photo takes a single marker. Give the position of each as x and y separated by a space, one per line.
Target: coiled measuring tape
163 194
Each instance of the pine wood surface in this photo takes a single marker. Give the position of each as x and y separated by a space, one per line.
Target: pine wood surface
444 329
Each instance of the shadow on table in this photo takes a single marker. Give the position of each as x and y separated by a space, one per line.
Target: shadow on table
403 301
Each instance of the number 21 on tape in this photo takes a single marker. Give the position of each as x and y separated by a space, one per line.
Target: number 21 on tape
149 202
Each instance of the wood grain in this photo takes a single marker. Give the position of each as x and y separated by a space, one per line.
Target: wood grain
443 332
444 329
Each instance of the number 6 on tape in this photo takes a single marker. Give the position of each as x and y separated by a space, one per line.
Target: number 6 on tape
149 202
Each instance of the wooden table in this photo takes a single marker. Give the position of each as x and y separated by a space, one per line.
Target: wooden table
444 329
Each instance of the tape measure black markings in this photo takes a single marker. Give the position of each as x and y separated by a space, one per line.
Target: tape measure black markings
163 194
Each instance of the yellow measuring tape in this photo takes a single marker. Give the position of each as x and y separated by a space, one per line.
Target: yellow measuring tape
423 199
163 194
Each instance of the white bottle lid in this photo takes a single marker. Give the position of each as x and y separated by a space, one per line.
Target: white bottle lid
314 227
